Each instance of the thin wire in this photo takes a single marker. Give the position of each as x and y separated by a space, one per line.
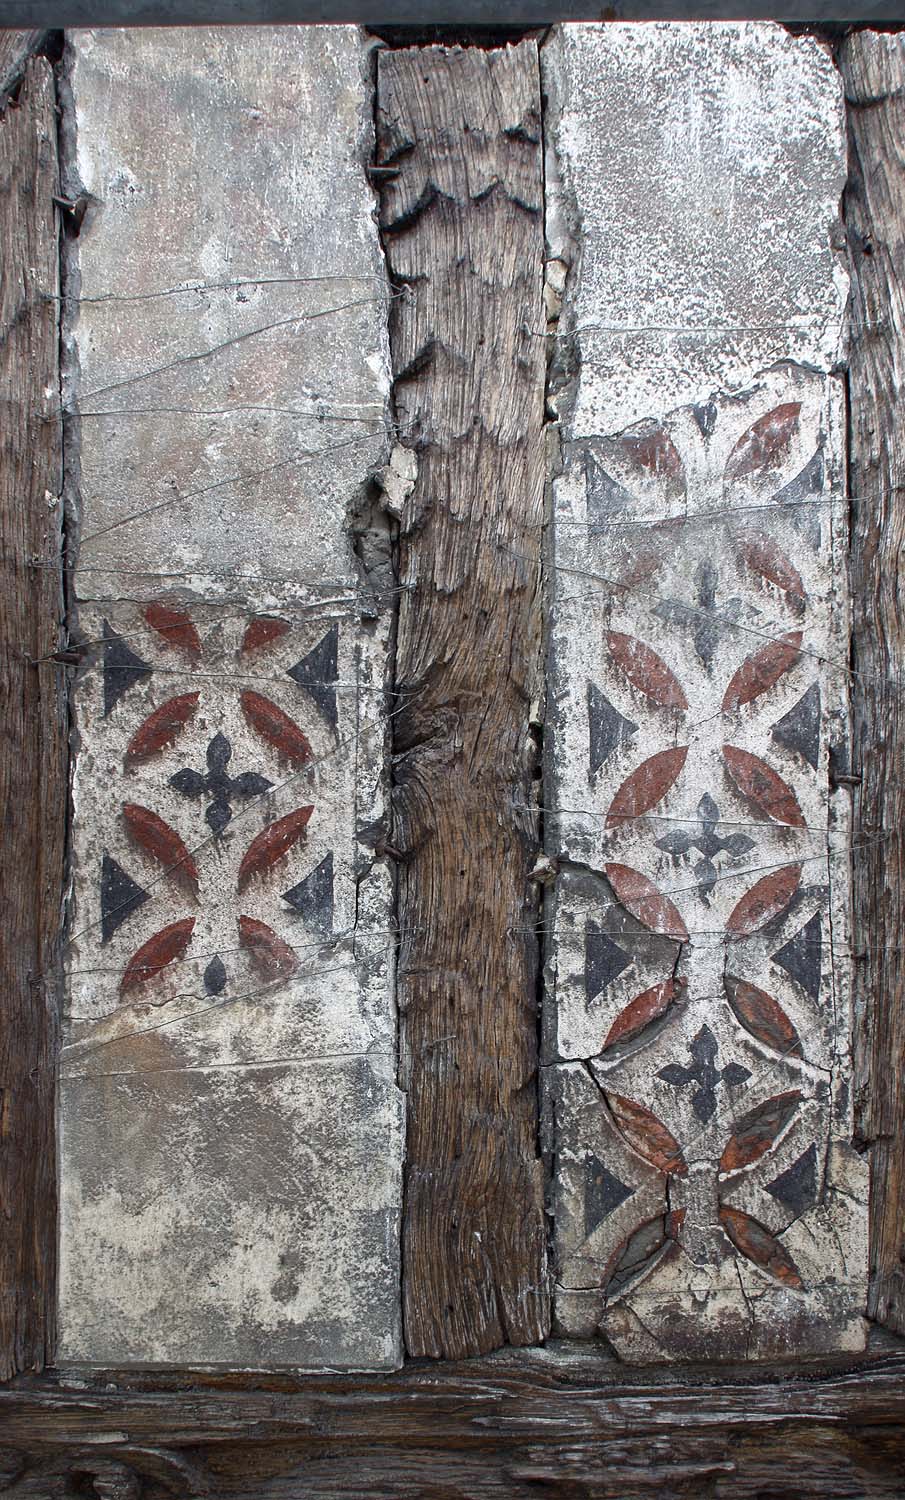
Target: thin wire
253 477
251 805
272 987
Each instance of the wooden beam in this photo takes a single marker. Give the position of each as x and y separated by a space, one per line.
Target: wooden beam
873 68
15 47
32 745
518 1426
463 233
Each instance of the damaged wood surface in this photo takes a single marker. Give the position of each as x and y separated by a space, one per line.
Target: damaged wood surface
15 47
557 1423
873 68
32 748
459 160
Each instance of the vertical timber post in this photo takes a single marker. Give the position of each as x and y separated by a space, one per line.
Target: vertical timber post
873 67
32 747
462 222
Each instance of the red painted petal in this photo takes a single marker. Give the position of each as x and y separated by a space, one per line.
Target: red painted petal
175 626
641 897
272 844
641 1252
758 1244
262 630
276 728
654 451
161 728
273 958
760 671
161 949
647 1135
644 1009
770 563
765 444
646 671
647 785
767 791
762 1016
758 1130
162 843
765 900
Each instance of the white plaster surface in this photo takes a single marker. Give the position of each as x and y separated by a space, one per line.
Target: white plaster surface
231 333
698 529
701 167
231 1133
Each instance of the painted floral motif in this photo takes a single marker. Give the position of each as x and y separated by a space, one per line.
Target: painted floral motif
175 644
693 1123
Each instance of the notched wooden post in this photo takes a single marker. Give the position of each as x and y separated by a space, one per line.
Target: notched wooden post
873 67
463 234
32 748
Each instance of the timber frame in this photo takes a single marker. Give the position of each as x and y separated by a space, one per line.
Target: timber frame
553 1420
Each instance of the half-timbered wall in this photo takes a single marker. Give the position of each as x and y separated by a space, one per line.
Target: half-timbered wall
452 490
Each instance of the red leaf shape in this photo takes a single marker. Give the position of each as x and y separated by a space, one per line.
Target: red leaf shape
161 727
263 629
640 1252
273 958
645 1008
765 900
762 1016
654 451
759 1245
161 949
757 1131
770 563
646 671
162 842
175 626
647 785
765 443
639 896
269 846
276 728
761 785
760 671
674 1222
647 1135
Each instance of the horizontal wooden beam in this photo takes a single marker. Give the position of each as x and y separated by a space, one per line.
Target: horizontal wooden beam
559 1423
423 14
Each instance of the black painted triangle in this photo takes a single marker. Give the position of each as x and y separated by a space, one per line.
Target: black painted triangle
604 961
799 729
603 1193
120 896
799 493
796 1188
606 499
801 955
312 898
122 668
607 728
317 673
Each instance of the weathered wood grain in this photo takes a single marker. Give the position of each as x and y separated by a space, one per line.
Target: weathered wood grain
873 67
32 753
15 47
519 1425
463 236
